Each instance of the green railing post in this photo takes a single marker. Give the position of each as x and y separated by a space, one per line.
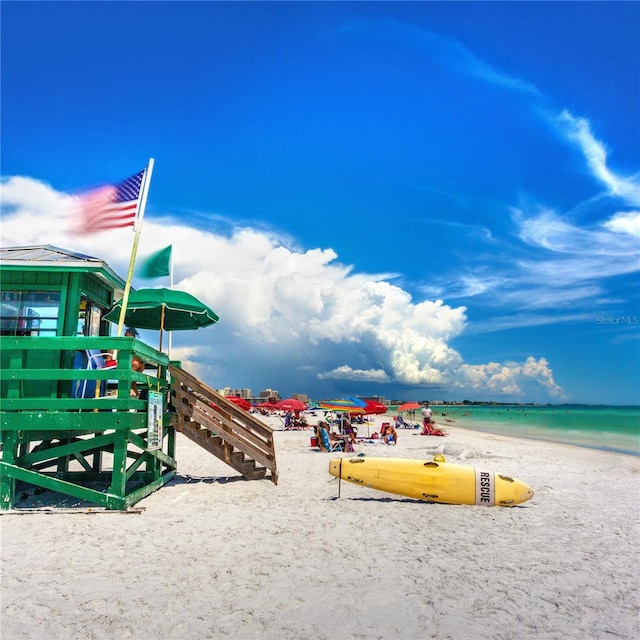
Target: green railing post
119 475
7 482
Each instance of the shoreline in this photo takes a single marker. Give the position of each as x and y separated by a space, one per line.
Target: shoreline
531 432
214 556
625 442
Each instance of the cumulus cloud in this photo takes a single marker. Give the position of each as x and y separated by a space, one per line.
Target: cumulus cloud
345 372
515 379
293 317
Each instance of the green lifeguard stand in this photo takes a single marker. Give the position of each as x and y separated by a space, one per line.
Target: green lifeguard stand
68 420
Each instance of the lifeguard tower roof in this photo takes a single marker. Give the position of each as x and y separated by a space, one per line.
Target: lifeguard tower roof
45 257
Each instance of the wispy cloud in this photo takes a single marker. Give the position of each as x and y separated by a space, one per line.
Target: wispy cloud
451 53
519 320
578 130
569 266
552 261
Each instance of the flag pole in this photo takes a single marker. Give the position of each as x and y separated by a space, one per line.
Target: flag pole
170 287
136 240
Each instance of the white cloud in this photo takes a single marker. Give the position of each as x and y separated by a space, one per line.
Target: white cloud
615 237
578 130
511 379
345 372
457 56
517 320
625 222
288 317
561 266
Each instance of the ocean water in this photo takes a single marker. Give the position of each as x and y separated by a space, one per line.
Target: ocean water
601 427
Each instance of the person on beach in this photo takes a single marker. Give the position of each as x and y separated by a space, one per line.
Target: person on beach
428 425
430 429
427 415
136 362
322 428
388 434
350 434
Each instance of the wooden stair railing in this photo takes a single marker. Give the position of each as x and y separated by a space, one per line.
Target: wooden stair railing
228 432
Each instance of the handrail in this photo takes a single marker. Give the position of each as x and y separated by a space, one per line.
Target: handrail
235 427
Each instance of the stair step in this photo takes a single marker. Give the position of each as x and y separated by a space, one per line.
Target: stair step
237 457
256 474
247 466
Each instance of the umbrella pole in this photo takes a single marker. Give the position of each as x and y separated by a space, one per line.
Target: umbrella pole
161 327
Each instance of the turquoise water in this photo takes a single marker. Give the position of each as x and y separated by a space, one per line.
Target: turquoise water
601 427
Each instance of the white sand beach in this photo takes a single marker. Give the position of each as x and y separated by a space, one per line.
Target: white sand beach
212 555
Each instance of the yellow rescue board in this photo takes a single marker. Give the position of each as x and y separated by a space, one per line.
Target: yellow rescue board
433 480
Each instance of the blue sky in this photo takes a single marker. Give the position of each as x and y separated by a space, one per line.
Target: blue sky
420 200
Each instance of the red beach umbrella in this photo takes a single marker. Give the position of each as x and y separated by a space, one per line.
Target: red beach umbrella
291 404
240 402
375 408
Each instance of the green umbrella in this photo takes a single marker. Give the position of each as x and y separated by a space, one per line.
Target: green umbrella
163 310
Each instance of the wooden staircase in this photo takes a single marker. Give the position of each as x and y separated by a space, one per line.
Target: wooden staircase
232 434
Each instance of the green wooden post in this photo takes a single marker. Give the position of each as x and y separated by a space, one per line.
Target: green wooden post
7 482
119 475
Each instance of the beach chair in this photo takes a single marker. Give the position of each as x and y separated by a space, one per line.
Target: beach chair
326 442
93 359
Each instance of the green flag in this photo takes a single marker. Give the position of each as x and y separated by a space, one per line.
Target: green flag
156 265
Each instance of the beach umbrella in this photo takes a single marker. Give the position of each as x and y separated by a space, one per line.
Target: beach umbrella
163 310
266 405
291 404
375 408
240 402
409 406
348 404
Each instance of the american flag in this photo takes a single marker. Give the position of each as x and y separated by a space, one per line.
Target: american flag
111 206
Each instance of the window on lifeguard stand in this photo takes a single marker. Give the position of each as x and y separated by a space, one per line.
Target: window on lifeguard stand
29 313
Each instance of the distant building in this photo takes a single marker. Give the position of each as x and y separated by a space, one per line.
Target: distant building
269 395
380 399
238 393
